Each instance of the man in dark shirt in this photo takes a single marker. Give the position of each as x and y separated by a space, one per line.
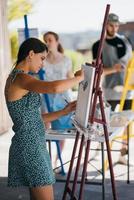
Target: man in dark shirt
115 56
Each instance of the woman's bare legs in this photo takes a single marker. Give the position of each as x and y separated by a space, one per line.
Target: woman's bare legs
42 193
62 144
124 150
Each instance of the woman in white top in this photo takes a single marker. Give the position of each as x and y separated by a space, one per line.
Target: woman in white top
57 66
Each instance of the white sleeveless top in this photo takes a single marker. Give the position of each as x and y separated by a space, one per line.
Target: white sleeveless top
54 72
57 71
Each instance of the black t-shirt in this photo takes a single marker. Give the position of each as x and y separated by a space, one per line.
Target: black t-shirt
116 42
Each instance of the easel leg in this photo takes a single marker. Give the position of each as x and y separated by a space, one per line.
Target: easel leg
103 171
108 146
71 166
78 166
111 167
128 163
84 169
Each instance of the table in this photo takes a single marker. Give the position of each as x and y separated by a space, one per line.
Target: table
113 131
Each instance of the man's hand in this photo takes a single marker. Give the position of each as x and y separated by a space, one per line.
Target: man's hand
118 68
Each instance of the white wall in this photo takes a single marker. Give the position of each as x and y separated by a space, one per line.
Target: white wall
5 65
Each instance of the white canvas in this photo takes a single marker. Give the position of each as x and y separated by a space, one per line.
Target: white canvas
84 96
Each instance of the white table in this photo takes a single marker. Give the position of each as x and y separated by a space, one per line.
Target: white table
113 131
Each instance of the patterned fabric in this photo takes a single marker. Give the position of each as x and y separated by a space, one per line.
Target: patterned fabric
29 161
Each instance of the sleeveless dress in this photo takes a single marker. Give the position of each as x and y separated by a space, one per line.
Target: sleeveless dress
29 161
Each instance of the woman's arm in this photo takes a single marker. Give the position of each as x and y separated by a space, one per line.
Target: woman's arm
48 117
30 83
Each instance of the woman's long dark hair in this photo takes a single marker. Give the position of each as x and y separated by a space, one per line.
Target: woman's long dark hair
30 44
59 48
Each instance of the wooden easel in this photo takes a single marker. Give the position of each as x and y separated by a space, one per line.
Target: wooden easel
97 94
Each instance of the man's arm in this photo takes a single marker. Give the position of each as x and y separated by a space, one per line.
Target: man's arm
125 59
114 69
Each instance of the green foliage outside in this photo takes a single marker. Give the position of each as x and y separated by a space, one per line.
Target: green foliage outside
76 57
77 60
14 45
16 10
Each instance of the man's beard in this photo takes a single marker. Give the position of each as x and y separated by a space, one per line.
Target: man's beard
110 34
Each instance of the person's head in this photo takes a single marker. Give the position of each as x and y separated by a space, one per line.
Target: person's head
112 25
33 52
52 41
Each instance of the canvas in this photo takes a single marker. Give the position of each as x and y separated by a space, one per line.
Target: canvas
84 96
